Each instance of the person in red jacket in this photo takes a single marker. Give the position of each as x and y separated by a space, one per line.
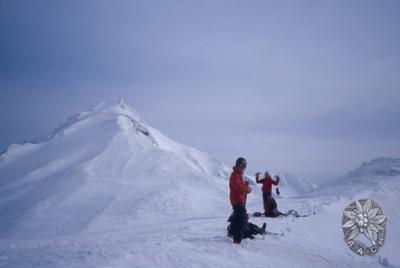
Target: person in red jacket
238 185
239 226
270 206
239 189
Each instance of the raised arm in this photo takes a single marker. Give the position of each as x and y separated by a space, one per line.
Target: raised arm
276 181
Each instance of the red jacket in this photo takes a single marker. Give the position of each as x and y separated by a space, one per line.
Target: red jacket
238 187
267 183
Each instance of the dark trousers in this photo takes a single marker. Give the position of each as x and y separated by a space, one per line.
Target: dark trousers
238 220
270 206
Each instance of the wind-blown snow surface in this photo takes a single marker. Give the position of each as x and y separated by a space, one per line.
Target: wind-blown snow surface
107 190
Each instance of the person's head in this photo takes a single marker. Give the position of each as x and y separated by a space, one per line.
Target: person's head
241 163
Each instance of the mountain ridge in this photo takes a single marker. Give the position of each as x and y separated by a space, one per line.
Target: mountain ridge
102 158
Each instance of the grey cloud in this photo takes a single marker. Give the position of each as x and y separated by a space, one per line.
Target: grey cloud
289 84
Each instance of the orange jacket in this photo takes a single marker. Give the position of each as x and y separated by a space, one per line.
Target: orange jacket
238 187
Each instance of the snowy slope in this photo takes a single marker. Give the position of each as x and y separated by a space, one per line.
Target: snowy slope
107 190
378 179
375 176
104 165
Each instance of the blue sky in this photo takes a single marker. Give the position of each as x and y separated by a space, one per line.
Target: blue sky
307 87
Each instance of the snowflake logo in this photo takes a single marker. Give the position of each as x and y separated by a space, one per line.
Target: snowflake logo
364 217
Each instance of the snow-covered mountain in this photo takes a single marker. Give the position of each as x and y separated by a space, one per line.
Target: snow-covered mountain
375 176
103 166
107 190
383 167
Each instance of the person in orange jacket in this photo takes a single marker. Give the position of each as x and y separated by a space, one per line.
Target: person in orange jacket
239 226
239 189
238 185
270 206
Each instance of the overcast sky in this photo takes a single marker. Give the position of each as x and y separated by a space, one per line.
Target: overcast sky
306 87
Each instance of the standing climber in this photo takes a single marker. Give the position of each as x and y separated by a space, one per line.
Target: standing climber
270 206
239 226
238 194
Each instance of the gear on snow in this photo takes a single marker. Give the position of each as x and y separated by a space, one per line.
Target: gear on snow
250 230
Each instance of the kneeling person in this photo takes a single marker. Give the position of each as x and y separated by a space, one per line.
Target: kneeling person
270 206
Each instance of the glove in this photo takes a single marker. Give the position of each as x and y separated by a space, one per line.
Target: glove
277 191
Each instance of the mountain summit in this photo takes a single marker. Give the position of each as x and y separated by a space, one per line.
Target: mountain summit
103 166
382 166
